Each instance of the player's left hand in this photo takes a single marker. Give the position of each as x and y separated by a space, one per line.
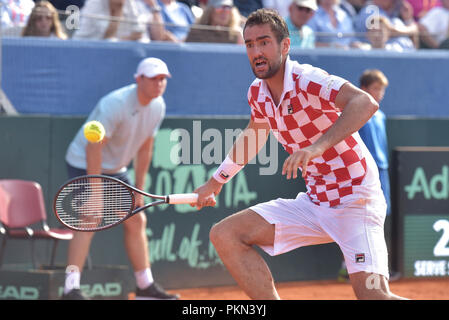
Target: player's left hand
207 193
299 159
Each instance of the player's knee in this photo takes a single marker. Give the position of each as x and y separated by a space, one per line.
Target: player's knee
222 235
217 235
226 234
136 223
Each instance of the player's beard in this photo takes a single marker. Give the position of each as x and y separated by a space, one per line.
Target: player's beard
273 68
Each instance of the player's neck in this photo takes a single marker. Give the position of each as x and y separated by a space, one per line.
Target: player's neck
275 84
142 98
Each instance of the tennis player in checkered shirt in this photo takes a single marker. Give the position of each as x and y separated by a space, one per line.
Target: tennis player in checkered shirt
315 116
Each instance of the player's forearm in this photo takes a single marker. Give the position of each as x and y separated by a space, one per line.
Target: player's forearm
247 146
142 163
141 170
249 143
94 158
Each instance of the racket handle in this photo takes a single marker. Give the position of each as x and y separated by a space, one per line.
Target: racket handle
180 198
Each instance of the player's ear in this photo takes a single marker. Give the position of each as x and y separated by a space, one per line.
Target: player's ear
285 46
139 79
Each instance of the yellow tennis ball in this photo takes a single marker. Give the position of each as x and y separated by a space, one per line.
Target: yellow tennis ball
94 131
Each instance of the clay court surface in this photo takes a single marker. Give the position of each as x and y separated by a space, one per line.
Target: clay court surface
420 289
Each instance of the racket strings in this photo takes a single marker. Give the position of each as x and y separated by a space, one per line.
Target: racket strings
93 203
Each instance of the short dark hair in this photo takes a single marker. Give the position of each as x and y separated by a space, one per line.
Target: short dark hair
372 75
270 17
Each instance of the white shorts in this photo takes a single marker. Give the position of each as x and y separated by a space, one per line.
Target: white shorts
357 229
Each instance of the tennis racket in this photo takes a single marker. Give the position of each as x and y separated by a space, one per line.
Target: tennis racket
98 202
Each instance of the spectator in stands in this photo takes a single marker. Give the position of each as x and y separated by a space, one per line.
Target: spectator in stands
44 22
300 12
15 13
220 23
196 6
352 7
434 27
379 34
334 25
403 27
247 6
421 7
199 3
121 20
177 18
280 6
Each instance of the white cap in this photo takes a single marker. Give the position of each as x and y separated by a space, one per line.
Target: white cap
311 4
151 67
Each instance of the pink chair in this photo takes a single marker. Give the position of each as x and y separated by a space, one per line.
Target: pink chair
23 216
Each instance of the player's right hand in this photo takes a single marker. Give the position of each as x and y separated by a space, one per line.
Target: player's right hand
207 193
300 159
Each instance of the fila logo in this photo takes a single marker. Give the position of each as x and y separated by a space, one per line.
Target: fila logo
290 109
359 257
224 175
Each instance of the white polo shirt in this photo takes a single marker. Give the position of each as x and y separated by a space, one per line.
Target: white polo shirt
127 123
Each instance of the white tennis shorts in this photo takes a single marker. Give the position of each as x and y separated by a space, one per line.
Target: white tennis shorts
357 229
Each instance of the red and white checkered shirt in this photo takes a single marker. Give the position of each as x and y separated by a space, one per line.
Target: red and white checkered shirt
305 113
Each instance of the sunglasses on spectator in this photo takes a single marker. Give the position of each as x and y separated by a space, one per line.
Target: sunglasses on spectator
307 10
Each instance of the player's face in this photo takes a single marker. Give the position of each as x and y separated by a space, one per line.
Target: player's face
152 87
376 90
265 54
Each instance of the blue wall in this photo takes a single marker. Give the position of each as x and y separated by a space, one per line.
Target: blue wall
68 77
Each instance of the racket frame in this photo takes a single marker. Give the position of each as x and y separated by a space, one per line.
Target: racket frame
131 212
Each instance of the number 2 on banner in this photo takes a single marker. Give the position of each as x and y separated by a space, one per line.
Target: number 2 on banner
441 249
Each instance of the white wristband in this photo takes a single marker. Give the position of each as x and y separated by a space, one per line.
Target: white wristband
227 170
